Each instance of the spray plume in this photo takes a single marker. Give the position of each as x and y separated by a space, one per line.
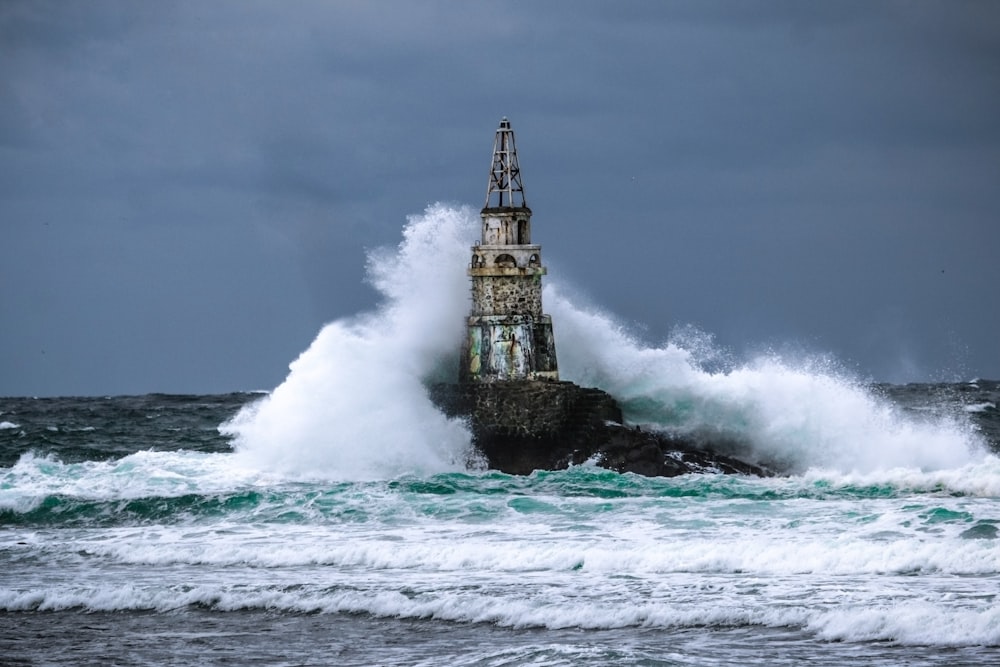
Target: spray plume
354 404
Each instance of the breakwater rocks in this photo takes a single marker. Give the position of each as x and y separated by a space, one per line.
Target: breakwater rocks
521 426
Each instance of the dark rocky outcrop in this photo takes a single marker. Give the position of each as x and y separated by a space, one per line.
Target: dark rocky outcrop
523 426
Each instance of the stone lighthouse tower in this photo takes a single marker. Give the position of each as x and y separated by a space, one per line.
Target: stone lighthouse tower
509 338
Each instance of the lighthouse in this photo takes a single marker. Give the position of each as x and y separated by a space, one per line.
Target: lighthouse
522 417
509 337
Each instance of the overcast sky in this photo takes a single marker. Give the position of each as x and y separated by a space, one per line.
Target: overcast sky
187 189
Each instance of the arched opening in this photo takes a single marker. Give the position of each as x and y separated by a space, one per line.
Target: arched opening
533 260
505 261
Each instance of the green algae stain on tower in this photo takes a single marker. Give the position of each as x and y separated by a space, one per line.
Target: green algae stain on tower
509 338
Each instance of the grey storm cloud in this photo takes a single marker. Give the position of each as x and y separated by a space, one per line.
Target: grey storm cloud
187 189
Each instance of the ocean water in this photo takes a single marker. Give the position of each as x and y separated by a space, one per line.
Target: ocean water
341 519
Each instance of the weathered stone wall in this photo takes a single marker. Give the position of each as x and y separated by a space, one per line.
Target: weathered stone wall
536 425
530 425
493 256
511 347
507 295
506 225
539 408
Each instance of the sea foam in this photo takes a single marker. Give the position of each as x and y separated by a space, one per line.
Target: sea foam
33 478
354 405
800 414
918 622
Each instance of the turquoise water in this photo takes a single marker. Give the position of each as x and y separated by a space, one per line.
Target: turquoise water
193 548
341 518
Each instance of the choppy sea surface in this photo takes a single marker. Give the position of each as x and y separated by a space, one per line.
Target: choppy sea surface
133 534
341 519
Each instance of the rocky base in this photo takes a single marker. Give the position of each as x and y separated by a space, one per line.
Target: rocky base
523 426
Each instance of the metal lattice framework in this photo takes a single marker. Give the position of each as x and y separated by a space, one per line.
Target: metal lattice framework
505 175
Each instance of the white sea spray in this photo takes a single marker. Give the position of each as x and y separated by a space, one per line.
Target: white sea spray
801 414
347 507
354 405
